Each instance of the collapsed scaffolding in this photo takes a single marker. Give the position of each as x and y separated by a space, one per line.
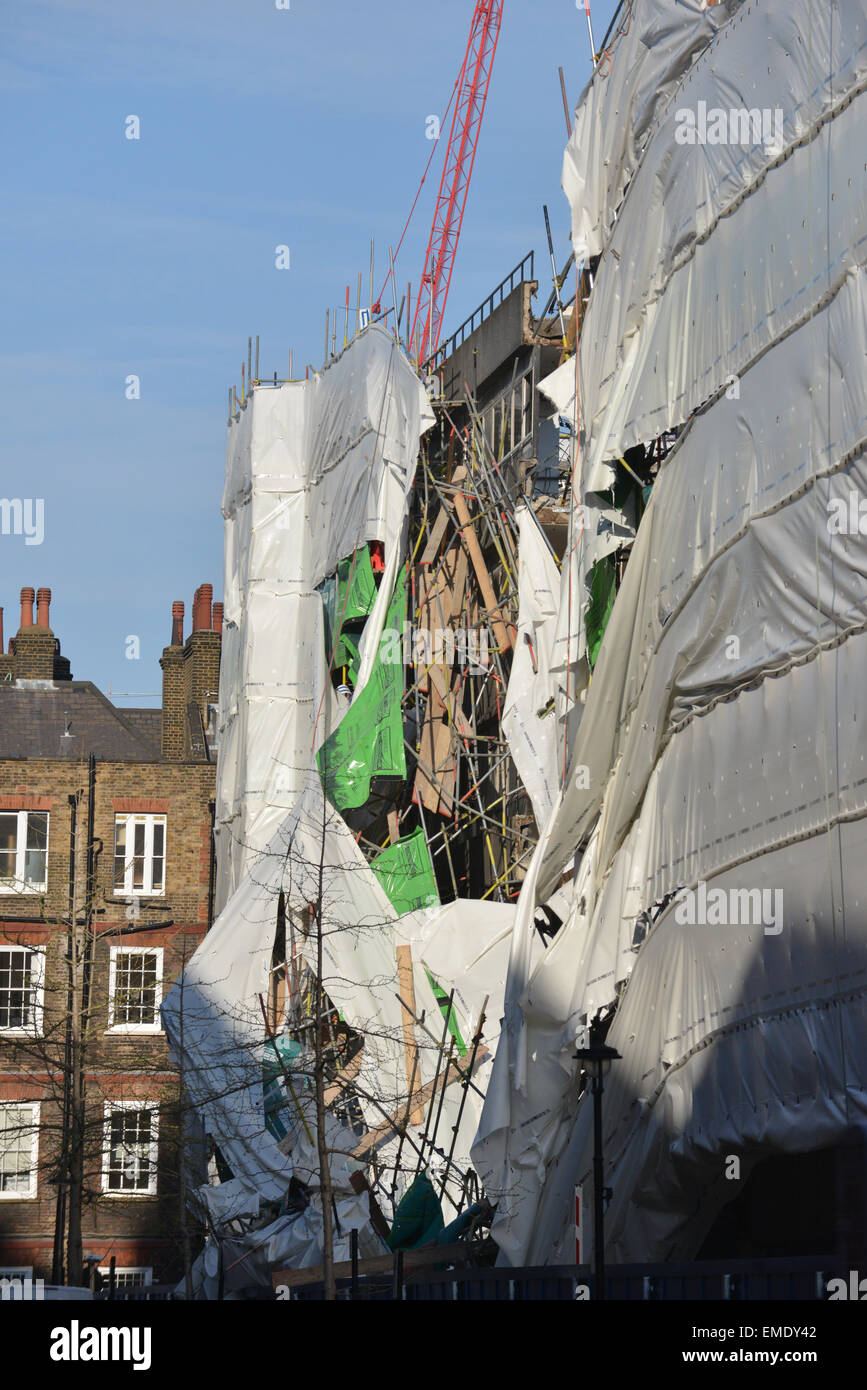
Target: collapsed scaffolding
448 757
393 719
368 806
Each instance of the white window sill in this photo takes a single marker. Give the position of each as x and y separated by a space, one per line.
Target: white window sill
152 1030
23 890
138 893
33 1032
128 1196
17 1196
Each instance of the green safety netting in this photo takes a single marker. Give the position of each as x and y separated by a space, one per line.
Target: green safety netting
406 874
369 740
602 588
419 1218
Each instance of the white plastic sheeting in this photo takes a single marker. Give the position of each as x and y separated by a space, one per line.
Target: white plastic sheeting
313 470
723 729
213 1017
529 714
621 103
293 1241
720 239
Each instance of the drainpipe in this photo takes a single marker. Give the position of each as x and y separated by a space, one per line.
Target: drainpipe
62 1169
212 867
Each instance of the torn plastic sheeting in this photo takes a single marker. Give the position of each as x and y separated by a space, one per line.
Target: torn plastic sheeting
294 1241
682 190
622 101
369 739
732 537
405 871
710 1066
697 747
529 717
646 376
463 946
229 1201
350 593
313 470
213 1023
784 723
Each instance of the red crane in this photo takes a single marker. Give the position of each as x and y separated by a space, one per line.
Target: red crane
472 93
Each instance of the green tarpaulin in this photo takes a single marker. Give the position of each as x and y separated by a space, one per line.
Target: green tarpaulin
406 873
369 740
350 593
602 585
443 1000
419 1218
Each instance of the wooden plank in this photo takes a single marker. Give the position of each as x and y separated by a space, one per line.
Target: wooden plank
438 530
474 550
449 702
406 986
426 1258
435 539
435 751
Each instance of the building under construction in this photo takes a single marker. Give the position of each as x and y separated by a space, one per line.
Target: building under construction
540 716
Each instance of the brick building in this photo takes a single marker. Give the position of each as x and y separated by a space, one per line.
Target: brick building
106 887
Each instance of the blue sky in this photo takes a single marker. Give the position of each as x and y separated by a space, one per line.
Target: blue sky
155 257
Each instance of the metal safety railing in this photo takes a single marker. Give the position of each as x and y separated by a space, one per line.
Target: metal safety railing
484 310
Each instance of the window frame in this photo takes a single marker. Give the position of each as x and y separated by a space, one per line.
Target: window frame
34 1028
31 1194
139 1028
146 1270
18 884
149 819
110 1108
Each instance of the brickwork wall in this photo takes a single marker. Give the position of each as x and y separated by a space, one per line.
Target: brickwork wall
139 1230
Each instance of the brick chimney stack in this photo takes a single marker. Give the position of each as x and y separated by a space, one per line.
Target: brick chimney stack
191 672
33 646
202 663
174 743
177 623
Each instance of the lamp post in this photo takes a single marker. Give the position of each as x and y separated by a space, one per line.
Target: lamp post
597 1057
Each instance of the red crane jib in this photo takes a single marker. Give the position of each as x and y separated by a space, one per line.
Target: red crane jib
451 201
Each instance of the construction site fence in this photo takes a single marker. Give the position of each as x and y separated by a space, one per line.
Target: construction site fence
804 1279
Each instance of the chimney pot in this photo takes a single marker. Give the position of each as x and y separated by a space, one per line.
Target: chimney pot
217 623
27 597
43 601
202 608
177 623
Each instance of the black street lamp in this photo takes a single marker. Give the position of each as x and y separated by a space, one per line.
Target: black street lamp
597 1057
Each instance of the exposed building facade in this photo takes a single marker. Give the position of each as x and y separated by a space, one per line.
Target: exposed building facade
106 888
